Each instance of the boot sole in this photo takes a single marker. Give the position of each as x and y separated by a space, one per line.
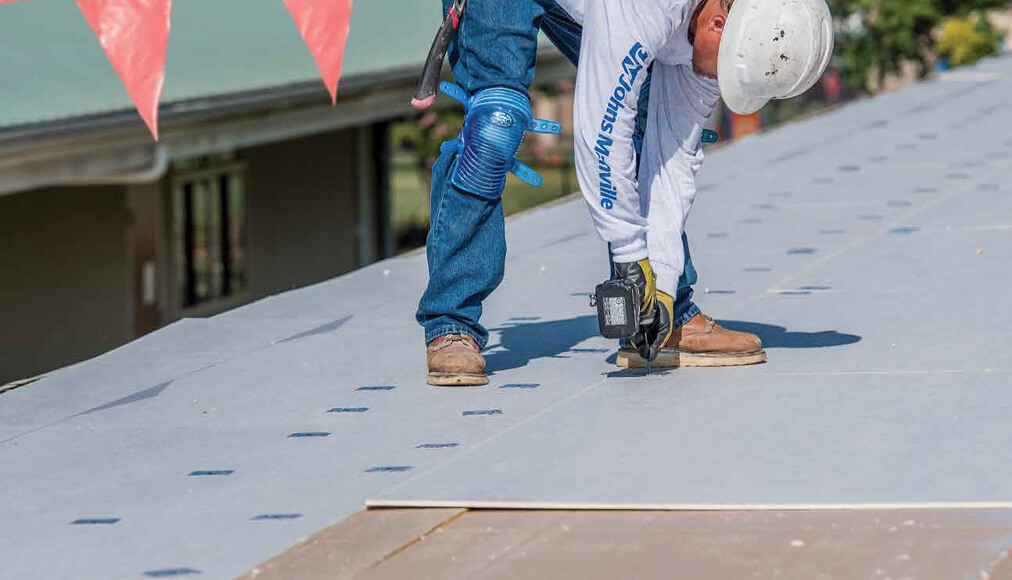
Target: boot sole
456 380
673 359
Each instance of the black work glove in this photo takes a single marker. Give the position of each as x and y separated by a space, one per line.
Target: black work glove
652 337
642 276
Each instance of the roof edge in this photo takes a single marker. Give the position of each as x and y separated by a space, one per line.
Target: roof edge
227 103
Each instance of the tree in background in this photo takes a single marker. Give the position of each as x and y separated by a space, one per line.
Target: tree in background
424 138
878 36
966 40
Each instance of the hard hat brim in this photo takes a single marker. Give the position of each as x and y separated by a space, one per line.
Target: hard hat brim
731 66
734 97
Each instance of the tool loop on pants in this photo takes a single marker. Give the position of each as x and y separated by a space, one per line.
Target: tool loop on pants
495 122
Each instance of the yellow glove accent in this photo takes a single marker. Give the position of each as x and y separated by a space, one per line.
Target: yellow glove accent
651 292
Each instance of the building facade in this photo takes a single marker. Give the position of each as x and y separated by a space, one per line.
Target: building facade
257 184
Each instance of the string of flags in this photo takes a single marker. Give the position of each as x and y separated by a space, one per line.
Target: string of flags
135 33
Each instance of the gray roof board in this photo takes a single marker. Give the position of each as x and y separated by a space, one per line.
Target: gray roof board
53 67
868 247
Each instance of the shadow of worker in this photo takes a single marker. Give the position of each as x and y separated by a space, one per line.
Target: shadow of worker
522 342
779 337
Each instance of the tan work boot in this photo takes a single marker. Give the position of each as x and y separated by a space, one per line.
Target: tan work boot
701 343
455 361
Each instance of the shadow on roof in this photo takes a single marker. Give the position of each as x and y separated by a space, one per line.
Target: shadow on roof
779 337
521 343
533 340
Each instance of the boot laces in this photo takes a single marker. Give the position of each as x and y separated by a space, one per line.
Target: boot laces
461 338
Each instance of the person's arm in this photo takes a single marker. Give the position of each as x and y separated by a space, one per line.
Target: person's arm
618 44
680 104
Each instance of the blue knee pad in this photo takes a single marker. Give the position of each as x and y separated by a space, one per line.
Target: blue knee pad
497 119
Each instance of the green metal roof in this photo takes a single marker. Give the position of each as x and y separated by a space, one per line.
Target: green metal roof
52 67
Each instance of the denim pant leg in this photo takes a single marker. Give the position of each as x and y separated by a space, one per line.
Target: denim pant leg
562 30
466 252
685 308
496 45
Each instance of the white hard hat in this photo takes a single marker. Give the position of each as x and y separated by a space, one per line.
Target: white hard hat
772 49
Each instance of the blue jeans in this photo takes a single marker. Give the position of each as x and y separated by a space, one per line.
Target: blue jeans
496 46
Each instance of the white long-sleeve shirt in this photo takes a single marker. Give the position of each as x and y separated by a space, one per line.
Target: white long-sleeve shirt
640 216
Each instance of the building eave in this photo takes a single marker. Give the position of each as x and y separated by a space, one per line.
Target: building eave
90 149
86 150
291 95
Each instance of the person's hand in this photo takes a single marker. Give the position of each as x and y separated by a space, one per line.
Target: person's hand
652 337
642 276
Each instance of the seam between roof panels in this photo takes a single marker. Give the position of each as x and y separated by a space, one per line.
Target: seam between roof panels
853 245
400 549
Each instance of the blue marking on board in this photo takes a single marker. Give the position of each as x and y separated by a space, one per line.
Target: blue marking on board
377 388
520 386
211 472
309 434
263 517
171 572
388 469
487 413
436 446
94 522
348 410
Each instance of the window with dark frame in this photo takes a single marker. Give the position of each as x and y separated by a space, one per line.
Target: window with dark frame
209 227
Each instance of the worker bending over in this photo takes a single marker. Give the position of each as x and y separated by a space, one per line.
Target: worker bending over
649 74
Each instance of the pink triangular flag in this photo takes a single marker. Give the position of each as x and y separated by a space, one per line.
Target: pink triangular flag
324 25
134 35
